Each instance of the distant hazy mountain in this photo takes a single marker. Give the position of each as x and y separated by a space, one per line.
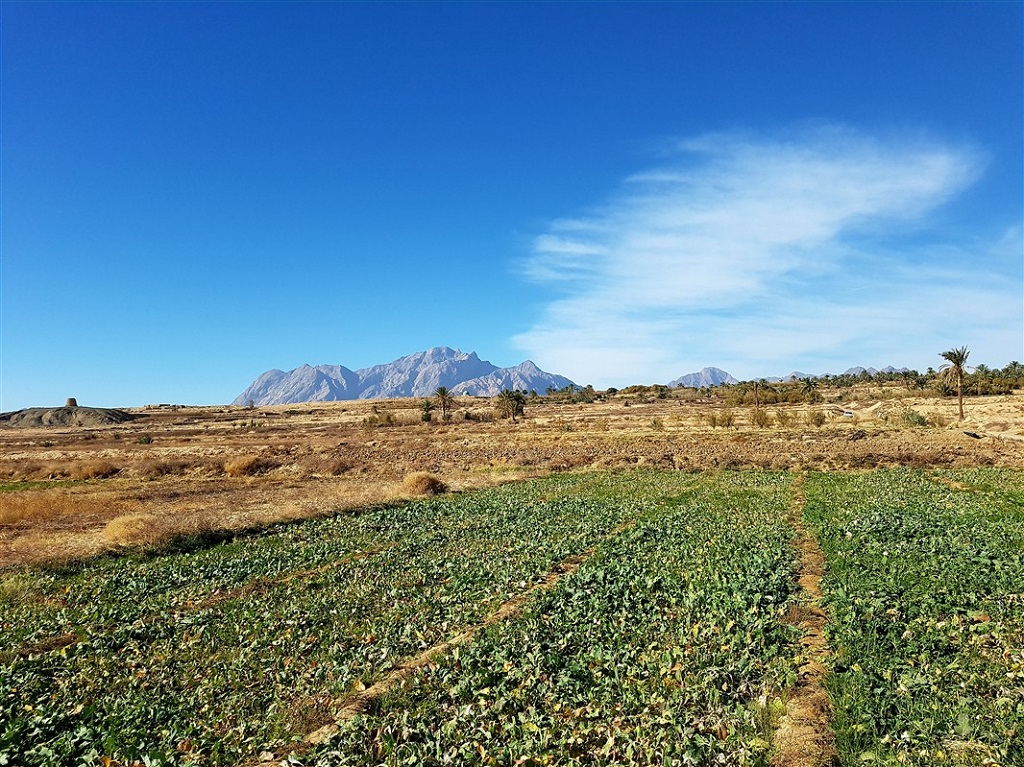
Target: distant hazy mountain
417 375
796 375
706 377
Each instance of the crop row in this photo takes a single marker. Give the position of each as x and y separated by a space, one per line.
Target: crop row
925 592
162 674
667 647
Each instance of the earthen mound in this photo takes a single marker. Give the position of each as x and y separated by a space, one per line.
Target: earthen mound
65 416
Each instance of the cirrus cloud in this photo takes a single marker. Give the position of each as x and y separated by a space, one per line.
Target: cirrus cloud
813 247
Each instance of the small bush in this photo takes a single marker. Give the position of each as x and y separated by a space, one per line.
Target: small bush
657 424
726 418
130 529
145 439
248 466
784 418
907 416
384 418
816 418
760 418
424 483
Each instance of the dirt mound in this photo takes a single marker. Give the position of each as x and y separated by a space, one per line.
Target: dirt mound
65 416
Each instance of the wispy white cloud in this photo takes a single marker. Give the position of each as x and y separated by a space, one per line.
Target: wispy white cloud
750 251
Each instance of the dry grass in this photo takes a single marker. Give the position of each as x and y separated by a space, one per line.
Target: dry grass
424 483
39 507
249 466
318 458
129 529
142 529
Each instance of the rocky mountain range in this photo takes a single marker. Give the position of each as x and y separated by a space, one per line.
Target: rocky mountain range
796 375
718 377
416 375
706 377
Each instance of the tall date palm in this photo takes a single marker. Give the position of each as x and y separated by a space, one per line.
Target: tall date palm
445 401
955 369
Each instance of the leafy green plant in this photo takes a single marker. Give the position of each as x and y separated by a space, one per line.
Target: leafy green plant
426 408
907 416
923 592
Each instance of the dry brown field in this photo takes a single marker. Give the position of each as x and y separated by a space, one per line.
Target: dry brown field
70 493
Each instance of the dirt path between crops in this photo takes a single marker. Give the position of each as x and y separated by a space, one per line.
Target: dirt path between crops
804 738
359 702
952 484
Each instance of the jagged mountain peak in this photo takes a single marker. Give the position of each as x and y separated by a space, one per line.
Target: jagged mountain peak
415 375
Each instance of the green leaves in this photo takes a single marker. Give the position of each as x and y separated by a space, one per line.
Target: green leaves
666 646
627 661
924 620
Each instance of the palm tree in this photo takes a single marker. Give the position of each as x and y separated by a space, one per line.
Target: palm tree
983 376
954 372
511 403
810 388
445 401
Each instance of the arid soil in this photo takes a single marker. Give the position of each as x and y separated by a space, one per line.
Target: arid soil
78 491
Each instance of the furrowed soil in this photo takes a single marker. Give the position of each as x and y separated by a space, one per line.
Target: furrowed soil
171 472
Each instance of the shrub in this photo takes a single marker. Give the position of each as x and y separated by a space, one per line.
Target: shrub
129 529
657 424
726 418
426 408
907 416
248 466
424 483
816 418
784 417
145 439
760 418
380 419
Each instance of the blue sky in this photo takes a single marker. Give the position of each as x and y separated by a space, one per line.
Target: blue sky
194 193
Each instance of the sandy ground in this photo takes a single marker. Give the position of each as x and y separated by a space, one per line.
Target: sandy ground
73 492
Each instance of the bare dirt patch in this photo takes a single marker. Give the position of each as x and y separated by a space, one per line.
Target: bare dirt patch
803 737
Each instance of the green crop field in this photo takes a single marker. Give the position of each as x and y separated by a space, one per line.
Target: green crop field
925 592
602 618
